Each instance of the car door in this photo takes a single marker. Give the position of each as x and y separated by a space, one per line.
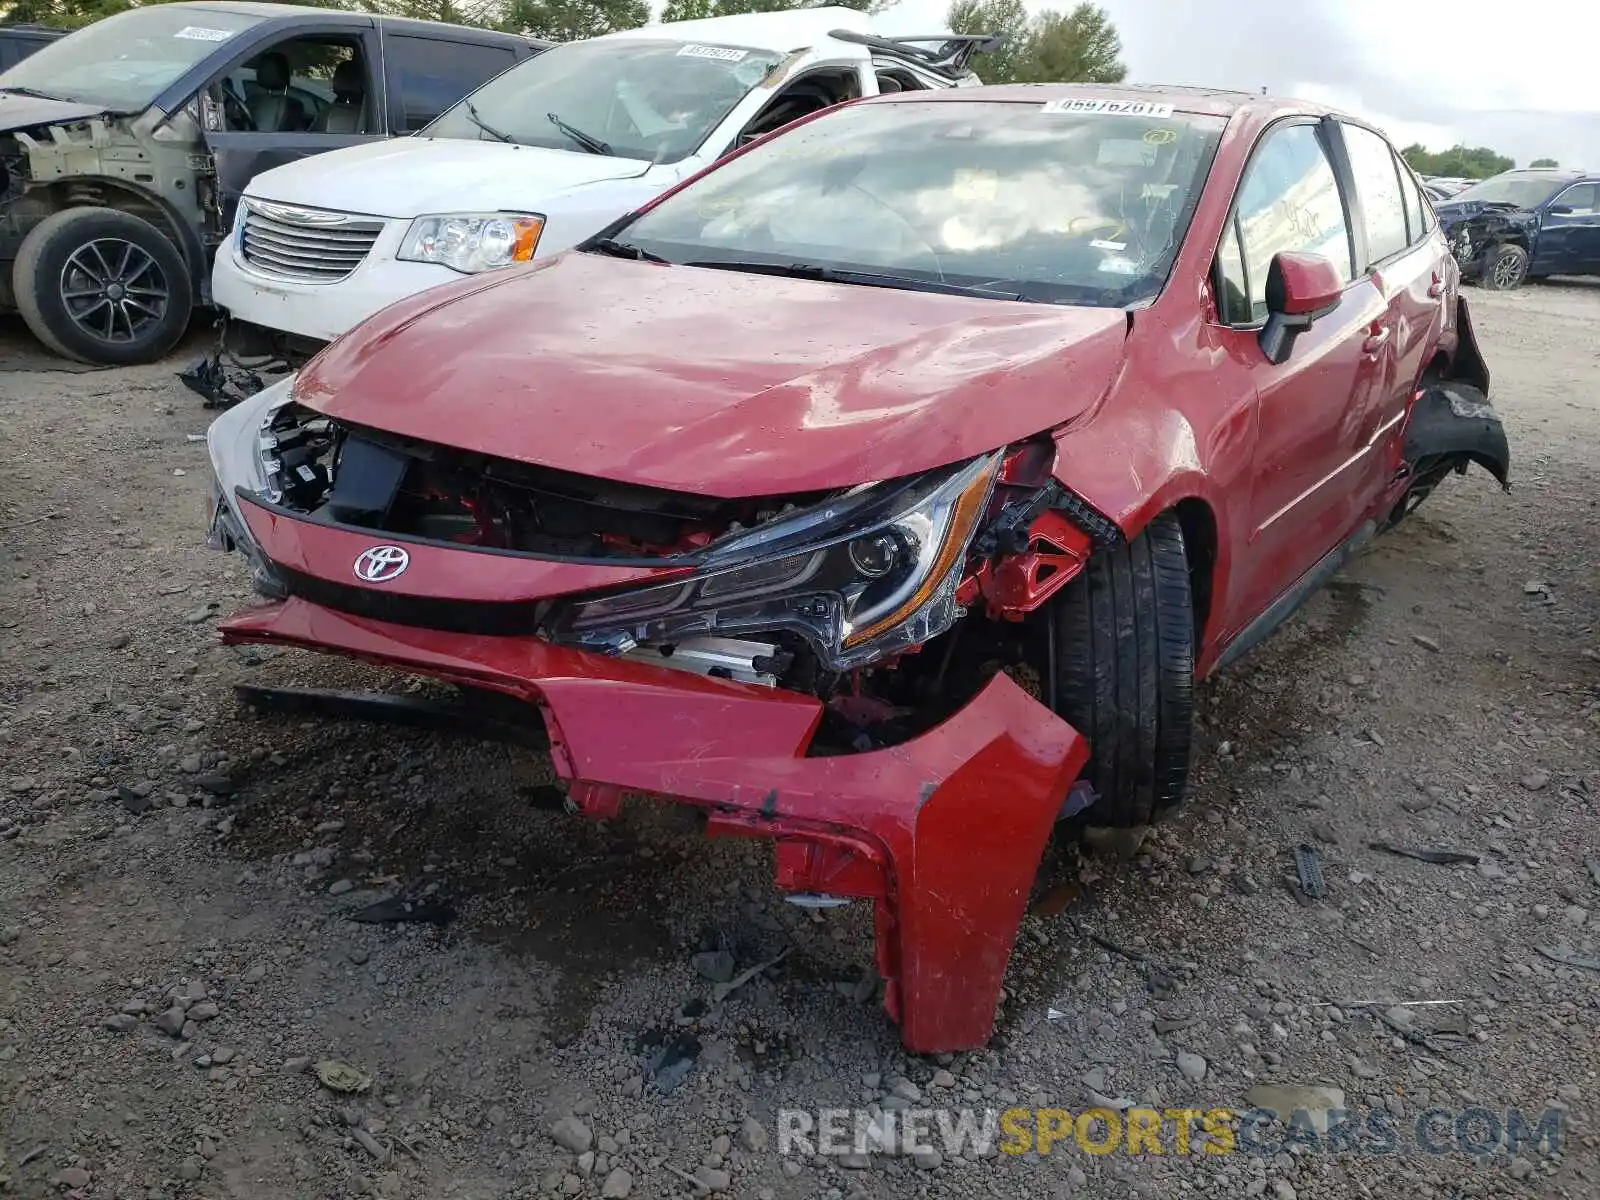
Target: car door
1406 265
1569 233
1308 408
241 150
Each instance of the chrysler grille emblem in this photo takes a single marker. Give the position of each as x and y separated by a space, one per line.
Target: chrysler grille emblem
299 216
381 563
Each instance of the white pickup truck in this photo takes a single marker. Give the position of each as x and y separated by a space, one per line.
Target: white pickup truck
532 163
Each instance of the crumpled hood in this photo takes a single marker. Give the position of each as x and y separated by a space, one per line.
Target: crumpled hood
410 176
1453 212
712 381
21 112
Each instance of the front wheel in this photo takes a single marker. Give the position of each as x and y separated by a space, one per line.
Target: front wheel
102 286
1124 633
1505 268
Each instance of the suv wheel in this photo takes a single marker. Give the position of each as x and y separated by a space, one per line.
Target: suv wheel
1505 268
1125 654
102 286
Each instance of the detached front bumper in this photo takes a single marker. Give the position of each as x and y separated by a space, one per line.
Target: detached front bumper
943 833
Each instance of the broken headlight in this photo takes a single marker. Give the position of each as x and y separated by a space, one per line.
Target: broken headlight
859 577
239 443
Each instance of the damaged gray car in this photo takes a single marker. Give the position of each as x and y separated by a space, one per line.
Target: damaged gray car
124 147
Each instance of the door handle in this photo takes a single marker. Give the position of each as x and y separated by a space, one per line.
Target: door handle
1377 338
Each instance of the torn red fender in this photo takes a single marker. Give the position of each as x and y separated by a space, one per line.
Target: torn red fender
943 833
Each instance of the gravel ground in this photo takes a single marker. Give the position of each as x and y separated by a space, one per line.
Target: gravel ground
177 879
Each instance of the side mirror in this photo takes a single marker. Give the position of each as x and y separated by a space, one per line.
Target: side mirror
1301 288
1560 210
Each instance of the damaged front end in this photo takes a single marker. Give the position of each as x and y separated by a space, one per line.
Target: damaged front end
836 671
245 360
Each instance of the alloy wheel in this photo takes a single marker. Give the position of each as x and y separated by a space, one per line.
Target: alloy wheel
1507 271
114 290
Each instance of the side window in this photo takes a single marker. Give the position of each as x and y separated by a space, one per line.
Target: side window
809 93
1416 202
300 85
1408 198
1378 186
1233 289
432 75
1288 201
1583 199
893 80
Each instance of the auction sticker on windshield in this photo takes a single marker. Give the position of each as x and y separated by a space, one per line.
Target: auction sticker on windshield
1107 108
197 33
725 53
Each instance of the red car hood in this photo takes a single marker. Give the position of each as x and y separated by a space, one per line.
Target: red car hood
714 381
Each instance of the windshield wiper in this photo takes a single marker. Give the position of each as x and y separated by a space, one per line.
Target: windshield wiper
909 283
472 115
592 144
35 93
618 249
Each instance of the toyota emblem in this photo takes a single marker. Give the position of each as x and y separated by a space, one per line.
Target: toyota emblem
381 563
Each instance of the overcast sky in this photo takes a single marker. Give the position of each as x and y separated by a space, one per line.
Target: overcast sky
1430 71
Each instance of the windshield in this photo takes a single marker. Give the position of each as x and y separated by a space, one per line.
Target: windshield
1017 198
1525 191
652 99
126 60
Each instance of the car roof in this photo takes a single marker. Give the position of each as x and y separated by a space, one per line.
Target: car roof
778 32
1205 101
1553 173
306 14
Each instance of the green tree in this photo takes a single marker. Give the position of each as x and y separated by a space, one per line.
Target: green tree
1080 46
1458 162
1544 162
569 20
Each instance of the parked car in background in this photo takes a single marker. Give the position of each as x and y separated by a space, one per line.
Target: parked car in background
19 41
124 147
756 500
1446 184
1525 224
535 161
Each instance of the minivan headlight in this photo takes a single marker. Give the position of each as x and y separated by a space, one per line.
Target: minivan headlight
472 242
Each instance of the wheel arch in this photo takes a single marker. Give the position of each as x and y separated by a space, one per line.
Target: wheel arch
95 191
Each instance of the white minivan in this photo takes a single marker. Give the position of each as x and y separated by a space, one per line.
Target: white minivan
538 159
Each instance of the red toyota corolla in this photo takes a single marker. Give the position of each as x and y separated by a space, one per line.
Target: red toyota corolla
884 490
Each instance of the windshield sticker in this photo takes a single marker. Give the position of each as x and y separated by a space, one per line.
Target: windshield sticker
198 33
1072 106
1104 244
1160 137
723 53
1119 266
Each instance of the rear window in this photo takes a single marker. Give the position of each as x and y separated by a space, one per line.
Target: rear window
1061 207
431 75
1378 186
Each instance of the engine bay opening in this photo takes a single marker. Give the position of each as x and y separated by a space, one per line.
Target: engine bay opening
376 481
761 620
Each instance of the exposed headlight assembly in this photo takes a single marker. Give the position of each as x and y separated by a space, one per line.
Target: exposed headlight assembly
472 242
858 577
243 455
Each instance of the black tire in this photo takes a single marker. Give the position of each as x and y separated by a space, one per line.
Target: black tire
102 286
1504 268
1125 654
